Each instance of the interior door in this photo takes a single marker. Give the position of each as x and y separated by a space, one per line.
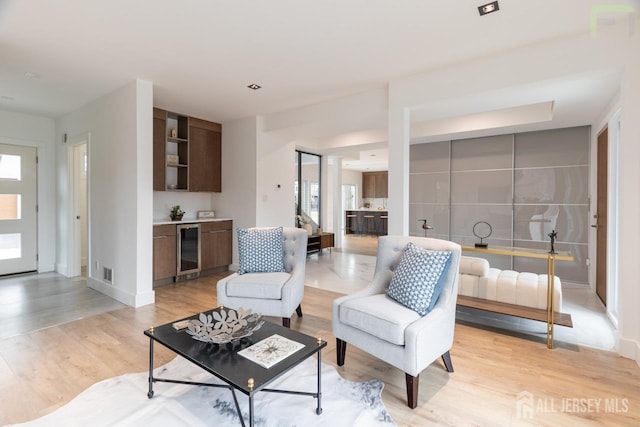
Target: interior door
601 217
18 215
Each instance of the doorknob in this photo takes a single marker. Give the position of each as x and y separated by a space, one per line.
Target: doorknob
77 216
595 216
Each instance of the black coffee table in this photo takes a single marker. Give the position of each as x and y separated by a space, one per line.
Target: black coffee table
223 361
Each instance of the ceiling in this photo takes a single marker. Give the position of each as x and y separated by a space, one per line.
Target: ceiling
58 55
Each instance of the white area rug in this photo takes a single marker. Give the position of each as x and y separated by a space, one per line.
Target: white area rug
122 401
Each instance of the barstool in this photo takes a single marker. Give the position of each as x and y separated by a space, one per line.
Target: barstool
382 220
367 221
350 219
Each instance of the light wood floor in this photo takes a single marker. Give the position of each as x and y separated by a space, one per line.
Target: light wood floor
42 370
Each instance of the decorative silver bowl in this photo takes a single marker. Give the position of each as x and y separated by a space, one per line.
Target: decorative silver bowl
224 325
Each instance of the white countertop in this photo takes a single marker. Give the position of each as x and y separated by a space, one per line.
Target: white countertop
188 220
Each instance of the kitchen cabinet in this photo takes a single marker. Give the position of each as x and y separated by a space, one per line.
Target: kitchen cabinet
159 149
205 156
216 244
375 185
187 153
164 251
215 240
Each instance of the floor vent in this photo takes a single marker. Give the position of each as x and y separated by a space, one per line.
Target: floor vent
107 274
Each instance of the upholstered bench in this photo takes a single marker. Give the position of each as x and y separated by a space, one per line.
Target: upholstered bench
508 292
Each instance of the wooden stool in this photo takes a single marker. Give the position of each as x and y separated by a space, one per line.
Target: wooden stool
380 228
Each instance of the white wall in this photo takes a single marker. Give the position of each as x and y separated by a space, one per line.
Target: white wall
190 202
121 190
629 204
238 197
275 166
35 131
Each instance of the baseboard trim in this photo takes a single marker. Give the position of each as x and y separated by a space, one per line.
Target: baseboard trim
629 349
62 269
133 300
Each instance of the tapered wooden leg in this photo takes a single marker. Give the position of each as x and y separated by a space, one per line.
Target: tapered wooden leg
299 310
412 390
446 358
286 322
341 351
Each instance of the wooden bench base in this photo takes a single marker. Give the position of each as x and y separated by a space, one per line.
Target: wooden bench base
562 319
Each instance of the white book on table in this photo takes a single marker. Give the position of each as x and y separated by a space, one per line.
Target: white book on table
271 350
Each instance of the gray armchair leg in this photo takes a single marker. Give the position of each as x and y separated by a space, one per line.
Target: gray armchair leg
286 322
299 310
446 358
412 390
341 351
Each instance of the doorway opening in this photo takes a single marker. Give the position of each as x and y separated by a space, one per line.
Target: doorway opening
78 156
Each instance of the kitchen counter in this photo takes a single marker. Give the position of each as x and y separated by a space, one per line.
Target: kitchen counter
188 220
366 221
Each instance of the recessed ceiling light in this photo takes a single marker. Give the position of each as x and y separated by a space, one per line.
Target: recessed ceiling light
488 8
254 86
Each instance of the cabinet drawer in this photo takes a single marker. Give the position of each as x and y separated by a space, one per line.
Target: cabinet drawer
164 230
206 227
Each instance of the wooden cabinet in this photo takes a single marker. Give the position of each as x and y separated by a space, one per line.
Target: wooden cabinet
164 251
159 149
368 185
382 185
215 248
187 153
205 155
216 244
375 185
319 241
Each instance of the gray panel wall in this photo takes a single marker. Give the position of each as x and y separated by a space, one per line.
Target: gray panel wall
524 185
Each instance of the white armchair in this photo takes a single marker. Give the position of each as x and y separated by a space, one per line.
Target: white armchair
276 294
379 325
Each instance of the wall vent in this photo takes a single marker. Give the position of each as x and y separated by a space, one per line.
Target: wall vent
107 274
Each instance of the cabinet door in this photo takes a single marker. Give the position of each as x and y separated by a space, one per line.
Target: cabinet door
326 240
164 257
159 149
205 157
368 185
216 249
382 185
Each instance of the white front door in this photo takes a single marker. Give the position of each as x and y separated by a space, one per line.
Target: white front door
18 214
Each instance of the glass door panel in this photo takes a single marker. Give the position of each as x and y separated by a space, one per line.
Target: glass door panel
18 215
